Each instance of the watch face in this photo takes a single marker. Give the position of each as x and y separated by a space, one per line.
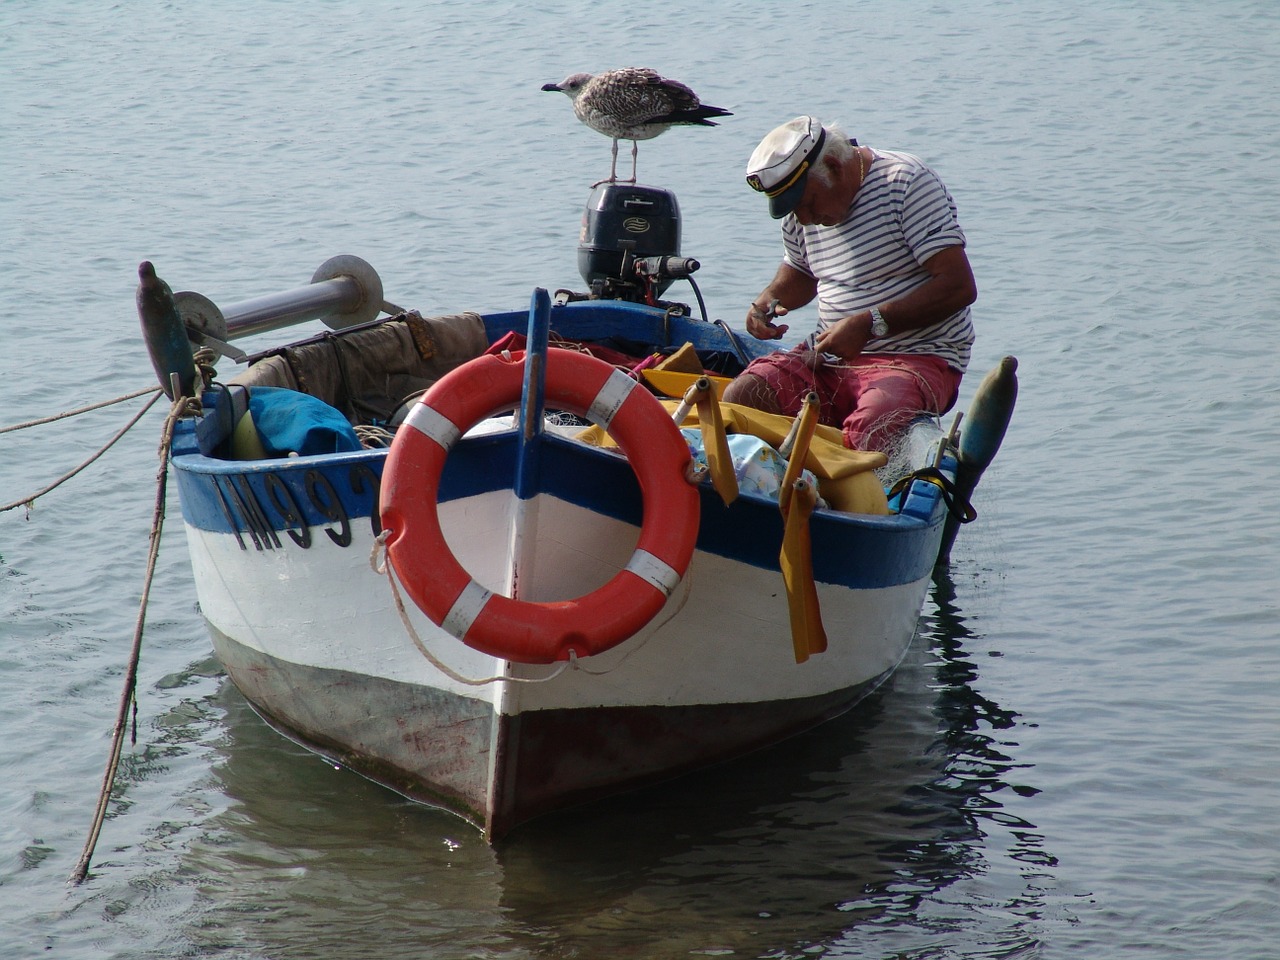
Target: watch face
878 325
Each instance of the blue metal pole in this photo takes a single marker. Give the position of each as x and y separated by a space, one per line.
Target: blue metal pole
524 527
534 395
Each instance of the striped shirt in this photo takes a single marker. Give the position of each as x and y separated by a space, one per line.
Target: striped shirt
901 216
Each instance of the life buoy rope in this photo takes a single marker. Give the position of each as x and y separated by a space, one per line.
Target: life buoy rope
526 631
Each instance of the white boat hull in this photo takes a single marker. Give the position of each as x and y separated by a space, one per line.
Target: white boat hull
312 635
313 639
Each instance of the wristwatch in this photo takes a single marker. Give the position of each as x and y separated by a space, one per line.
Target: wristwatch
878 326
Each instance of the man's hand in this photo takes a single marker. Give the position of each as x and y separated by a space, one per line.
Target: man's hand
847 337
760 320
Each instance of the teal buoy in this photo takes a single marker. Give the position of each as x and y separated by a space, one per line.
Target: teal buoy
982 432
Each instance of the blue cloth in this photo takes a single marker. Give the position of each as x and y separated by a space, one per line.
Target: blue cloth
289 421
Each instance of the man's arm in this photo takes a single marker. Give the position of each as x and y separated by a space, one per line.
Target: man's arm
792 288
949 289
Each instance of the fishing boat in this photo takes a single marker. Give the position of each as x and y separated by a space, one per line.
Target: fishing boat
511 562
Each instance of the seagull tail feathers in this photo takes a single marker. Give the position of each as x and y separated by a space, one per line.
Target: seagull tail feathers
700 115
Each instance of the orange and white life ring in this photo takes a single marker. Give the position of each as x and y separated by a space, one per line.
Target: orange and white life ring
526 631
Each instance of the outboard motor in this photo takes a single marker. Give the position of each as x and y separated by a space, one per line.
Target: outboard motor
630 244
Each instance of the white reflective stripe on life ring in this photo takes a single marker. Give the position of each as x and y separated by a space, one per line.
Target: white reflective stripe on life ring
431 423
613 394
471 601
654 571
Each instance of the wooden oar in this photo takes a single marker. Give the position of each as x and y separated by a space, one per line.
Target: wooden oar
807 633
796 447
714 442
796 499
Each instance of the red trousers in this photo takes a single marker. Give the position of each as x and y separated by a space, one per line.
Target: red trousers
870 398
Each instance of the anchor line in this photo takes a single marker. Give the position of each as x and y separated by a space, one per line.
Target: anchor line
79 410
31 498
203 359
128 697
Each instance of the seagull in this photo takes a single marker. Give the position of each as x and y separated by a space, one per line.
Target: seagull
633 103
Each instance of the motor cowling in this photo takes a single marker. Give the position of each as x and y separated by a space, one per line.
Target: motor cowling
624 223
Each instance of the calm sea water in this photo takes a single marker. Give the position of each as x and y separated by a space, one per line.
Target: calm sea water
1081 755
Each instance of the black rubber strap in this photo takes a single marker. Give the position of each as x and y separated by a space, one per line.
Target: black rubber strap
962 510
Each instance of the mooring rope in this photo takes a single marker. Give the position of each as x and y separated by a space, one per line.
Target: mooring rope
78 411
30 499
686 587
181 407
381 564
380 561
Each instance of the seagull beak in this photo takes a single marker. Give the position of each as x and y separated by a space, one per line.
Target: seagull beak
552 86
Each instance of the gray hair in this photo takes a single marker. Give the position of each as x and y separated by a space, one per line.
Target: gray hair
835 151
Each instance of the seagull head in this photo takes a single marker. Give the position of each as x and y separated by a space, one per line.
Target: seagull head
571 86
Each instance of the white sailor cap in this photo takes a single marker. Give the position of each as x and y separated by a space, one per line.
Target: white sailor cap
779 167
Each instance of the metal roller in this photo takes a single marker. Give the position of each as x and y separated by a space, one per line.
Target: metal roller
343 292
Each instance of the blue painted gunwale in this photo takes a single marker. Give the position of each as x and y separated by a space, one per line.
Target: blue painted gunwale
856 551
305 502
598 319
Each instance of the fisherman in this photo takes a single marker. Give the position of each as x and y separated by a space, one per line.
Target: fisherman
874 235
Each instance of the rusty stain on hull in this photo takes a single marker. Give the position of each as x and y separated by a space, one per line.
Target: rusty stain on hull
433 746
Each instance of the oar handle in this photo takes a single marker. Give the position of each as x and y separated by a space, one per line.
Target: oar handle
695 394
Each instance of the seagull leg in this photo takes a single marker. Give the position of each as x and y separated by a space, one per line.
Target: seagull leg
613 168
634 148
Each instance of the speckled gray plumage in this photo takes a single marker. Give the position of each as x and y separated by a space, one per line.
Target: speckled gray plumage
634 103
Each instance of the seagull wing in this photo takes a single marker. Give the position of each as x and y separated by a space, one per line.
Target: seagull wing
671 101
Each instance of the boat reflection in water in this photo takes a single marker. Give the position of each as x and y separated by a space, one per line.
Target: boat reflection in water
856 835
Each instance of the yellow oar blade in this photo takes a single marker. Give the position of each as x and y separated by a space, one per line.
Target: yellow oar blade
800 437
716 446
807 633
